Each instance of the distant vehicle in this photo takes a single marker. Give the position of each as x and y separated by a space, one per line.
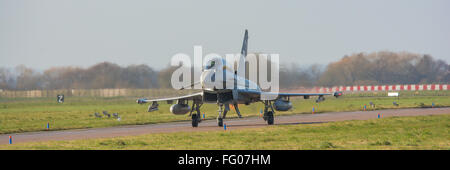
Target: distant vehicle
225 97
338 94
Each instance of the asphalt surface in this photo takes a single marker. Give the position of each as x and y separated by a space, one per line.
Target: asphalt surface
210 125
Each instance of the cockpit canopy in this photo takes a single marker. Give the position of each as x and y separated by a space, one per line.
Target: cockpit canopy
215 62
210 64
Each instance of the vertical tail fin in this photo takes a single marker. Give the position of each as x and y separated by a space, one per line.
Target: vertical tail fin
244 44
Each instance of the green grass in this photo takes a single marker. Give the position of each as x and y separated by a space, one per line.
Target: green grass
420 132
33 114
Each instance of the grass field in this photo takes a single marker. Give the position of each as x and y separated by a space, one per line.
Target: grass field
33 114
420 132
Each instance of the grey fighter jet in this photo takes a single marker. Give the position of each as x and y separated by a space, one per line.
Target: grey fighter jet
225 97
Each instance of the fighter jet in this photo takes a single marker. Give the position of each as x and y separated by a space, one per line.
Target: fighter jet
224 97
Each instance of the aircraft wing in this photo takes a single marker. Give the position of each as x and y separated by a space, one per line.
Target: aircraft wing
298 94
259 93
187 97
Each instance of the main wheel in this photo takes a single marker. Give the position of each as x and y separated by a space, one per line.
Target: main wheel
270 119
194 120
220 122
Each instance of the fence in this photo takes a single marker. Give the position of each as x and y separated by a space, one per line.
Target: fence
408 87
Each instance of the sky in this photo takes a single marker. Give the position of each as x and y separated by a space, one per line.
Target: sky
47 33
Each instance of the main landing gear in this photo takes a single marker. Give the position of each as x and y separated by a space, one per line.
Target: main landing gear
268 115
196 118
223 110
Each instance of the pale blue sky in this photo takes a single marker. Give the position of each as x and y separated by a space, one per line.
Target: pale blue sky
45 33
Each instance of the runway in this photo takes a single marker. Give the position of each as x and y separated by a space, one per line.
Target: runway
211 125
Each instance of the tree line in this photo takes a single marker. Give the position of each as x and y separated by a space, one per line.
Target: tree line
357 69
385 68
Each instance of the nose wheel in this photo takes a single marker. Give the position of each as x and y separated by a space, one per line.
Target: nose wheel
220 122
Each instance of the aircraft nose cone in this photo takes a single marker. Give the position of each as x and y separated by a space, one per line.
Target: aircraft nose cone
205 79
